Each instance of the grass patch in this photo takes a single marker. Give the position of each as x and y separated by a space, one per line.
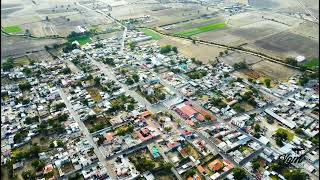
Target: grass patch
290 135
153 34
312 64
24 60
12 29
95 94
198 30
81 39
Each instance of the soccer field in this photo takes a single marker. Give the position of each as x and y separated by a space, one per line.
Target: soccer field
151 33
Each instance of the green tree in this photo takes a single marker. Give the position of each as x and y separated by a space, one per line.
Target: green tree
190 173
174 49
296 174
38 165
28 175
255 164
267 81
291 61
135 77
97 81
101 140
25 86
257 128
129 81
239 173
207 117
165 49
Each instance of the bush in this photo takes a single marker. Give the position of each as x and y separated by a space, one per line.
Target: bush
240 65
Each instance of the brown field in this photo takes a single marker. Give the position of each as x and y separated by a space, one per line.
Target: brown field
201 52
273 70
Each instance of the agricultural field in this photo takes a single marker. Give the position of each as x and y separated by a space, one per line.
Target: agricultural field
151 33
12 29
288 44
199 30
15 46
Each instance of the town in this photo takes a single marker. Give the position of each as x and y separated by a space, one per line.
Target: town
114 110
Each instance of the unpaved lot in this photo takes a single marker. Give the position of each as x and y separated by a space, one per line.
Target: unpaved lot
201 52
273 70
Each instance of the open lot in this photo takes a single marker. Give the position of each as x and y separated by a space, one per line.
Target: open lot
13 46
274 70
201 52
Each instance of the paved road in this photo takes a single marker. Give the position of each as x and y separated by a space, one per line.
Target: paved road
87 135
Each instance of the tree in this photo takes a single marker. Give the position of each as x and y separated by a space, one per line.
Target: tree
291 61
298 131
239 173
47 18
295 174
132 45
193 41
257 128
165 49
8 64
60 143
27 32
267 81
101 140
129 81
25 86
190 173
35 150
207 117
255 164
38 165
135 77
226 52
28 175
174 49
240 65
250 80
130 107
220 53
238 107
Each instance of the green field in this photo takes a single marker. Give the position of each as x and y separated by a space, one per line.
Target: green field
82 40
198 30
12 29
151 33
313 63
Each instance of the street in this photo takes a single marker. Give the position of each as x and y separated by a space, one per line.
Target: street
84 130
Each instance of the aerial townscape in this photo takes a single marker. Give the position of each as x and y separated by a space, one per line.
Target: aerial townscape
160 90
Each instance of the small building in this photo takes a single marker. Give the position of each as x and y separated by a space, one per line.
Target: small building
300 59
